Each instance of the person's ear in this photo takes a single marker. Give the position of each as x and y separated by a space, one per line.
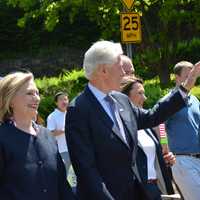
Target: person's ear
177 77
102 69
11 104
11 108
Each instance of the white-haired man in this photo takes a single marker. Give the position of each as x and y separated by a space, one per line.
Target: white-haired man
101 127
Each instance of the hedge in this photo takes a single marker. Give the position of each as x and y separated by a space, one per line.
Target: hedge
70 82
74 82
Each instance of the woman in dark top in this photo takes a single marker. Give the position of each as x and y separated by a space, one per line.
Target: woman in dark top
151 163
30 165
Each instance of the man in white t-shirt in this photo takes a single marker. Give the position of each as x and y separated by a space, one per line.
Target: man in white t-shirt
56 124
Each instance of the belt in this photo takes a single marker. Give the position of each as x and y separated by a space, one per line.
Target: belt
196 155
152 181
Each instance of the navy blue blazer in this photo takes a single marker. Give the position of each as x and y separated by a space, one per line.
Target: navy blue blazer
141 161
102 161
31 167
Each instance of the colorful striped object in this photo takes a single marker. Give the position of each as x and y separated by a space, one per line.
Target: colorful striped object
163 135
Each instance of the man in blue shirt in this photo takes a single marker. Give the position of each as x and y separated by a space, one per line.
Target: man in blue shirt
184 139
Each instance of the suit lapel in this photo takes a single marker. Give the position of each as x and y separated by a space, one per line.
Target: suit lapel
130 126
119 135
98 108
103 115
127 116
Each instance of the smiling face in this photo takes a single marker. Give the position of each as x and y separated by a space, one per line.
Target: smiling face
26 101
62 102
137 94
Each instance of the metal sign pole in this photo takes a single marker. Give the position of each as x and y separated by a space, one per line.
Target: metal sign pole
128 46
130 26
129 51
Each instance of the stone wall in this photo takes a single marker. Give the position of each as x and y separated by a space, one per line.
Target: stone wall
50 64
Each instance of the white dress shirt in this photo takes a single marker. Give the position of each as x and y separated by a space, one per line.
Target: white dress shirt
148 146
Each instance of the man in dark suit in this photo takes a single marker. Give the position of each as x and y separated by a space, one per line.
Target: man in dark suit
102 124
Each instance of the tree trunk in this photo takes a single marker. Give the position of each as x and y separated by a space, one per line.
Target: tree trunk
164 75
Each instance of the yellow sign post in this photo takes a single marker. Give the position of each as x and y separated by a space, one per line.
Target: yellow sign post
128 3
130 27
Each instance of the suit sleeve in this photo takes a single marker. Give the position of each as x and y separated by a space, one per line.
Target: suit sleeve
82 155
3 194
160 112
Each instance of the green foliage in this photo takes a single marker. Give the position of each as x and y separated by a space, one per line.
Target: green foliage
104 13
47 106
153 92
188 50
74 82
22 36
166 23
70 82
196 91
147 62
167 26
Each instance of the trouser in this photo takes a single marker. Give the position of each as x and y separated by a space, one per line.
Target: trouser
69 170
186 172
66 160
153 190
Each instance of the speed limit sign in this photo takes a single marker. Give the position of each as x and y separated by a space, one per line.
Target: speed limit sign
130 27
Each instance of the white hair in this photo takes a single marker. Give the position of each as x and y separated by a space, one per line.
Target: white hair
101 52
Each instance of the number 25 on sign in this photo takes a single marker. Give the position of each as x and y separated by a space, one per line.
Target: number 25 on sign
130 27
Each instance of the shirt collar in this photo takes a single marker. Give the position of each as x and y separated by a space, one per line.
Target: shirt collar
58 111
177 87
97 93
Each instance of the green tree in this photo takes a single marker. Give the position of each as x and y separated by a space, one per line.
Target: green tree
165 23
171 22
104 12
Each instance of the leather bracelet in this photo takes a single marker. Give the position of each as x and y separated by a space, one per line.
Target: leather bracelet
184 89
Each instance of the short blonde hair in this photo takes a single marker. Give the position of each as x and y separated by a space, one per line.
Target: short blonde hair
9 86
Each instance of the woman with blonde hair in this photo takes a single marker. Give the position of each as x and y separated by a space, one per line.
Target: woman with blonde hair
30 165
